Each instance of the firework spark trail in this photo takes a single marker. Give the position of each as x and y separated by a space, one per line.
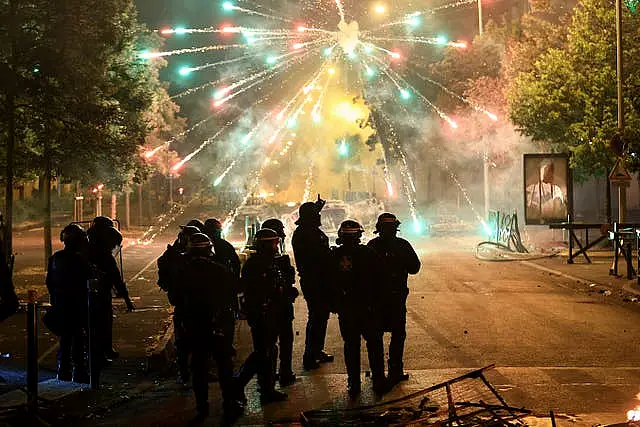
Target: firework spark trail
258 5
256 13
419 40
309 82
308 183
476 107
404 170
168 143
407 18
388 71
340 9
202 146
381 49
259 31
261 77
315 111
224 62
446 167
251 188
246 141
151 55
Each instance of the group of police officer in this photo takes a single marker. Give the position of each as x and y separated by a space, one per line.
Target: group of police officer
366 285
81 279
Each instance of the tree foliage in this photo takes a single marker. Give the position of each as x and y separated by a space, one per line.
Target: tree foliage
568 97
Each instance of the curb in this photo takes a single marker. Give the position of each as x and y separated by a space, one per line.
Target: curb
627 287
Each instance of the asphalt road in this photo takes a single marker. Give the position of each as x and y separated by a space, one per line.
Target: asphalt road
555 346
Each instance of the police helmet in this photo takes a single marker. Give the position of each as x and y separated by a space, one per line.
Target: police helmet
386 220
265 236
196 223
350 229
308 212
212 224
275 225
102 221
199 241
105 237
73 234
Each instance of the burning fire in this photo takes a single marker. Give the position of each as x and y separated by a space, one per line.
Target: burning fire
634 414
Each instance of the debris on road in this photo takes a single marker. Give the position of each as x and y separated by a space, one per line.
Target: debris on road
468 400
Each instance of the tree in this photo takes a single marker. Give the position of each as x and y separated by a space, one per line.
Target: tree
79 92
568 98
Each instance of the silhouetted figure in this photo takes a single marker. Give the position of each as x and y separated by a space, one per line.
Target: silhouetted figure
399 260
170 267
9 303
264 301
357 296
206 295
226 255
312 255
103 240
67 275
284 328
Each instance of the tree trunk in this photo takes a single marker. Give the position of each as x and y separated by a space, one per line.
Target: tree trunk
11 139
45 190
607 201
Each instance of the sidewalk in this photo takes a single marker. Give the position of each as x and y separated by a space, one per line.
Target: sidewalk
593 277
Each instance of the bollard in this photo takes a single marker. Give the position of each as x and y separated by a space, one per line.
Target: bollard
32 353
629 259
93 356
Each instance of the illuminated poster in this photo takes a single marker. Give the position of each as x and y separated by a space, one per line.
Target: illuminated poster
547 188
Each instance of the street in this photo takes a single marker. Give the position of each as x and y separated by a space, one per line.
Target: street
557 344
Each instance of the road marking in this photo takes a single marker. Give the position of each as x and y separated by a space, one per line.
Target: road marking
48 352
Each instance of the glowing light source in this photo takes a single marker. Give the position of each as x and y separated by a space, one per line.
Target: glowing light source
180 30
298 46
331 71
185 71
379 9
271 60
634 414
291 123
343 148
370 71
227 6
441 40
394 55
417 226
405 94
327 51
459 44
492 116
302 28
414 21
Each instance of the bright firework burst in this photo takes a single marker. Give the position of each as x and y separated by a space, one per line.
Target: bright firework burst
314 54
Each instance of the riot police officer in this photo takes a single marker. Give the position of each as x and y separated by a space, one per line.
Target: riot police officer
312 255
227 256
170 266
357 296
264 300
206 295
284 328
399 260
67 275
103 240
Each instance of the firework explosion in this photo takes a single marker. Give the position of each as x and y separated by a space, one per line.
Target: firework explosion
288 86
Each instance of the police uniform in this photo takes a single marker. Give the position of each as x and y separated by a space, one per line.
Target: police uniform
284 327
67 274
205 295
170 267
103 239
357 300
264 301
312 255
399 260
226 255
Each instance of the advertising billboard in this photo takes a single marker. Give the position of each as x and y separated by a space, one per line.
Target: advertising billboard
547 188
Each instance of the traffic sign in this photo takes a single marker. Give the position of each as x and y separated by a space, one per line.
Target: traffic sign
619 174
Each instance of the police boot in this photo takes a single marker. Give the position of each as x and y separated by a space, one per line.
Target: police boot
396 373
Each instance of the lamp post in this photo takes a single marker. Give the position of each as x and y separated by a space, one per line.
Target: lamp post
480 25
622 190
